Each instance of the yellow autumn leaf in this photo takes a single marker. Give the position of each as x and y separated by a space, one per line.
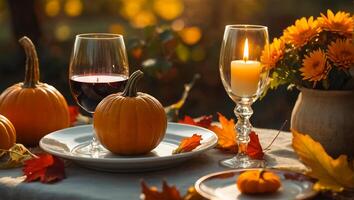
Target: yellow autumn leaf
332 174
15 156
226 134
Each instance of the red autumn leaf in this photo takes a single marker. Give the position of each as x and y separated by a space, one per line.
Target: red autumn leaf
254 148
204 121
45 167
188 144
226 134
74 112
167 193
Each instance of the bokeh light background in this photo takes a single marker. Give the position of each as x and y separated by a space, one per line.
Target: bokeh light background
198 26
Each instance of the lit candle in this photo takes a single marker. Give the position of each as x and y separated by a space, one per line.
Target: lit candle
245 75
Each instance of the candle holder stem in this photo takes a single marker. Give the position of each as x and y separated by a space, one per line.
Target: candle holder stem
243 128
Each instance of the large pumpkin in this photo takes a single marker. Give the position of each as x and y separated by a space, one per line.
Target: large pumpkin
34 108
131 122
258 181
7 133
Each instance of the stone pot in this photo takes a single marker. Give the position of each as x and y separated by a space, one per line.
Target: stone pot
328 117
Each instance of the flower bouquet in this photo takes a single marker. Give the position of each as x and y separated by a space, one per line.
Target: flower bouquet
314 53
317 57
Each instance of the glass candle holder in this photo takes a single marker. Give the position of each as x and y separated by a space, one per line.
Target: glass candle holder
244 76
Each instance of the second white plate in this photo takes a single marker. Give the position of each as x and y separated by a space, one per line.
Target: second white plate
66 143
222 186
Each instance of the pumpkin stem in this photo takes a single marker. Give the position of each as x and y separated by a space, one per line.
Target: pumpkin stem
32 66
262 171
130 89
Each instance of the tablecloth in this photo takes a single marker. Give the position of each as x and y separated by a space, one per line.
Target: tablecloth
82 183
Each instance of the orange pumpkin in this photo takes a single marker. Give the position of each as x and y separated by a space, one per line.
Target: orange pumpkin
258 181
131 122
7 133
34 108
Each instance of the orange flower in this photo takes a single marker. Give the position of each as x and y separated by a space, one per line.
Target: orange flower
341 52
340 22
300 33
315 66
276 52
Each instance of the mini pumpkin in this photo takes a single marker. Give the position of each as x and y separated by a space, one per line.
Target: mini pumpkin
7 133
131 122
258 181
34 108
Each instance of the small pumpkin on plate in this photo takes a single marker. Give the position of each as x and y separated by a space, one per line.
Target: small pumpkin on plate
258 181
34 108
131 122
7 133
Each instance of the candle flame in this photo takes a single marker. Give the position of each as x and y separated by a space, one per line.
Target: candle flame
245 51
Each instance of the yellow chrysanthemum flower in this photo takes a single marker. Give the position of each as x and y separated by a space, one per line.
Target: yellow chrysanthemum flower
315 67
276 52
341 52
340 22
303 31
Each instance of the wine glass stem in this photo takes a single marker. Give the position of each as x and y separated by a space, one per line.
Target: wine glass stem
94 144
243 127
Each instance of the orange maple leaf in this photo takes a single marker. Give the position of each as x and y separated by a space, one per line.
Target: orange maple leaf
226 134
332 174
167 193
188 144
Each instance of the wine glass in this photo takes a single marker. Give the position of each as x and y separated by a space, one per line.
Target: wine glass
244 76
98 68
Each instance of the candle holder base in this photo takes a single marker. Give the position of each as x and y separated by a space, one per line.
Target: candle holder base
241 162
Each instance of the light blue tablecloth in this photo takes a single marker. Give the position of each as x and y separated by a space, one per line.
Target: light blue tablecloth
88 184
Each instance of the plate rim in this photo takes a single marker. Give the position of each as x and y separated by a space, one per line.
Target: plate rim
207 195
131 160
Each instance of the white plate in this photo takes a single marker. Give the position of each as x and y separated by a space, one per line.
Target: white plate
66 142
222 185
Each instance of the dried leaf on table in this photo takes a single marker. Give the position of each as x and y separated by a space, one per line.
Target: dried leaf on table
226 134
167 193
254 148
204 121
14 157
332 174
45 167
188 144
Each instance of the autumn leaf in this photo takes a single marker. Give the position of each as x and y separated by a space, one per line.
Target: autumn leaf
204 121
332 174
14 157
188 144
74 112
45 167
167 193
254 148
226 134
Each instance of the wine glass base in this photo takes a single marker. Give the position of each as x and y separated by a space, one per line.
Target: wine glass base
240 162
87 150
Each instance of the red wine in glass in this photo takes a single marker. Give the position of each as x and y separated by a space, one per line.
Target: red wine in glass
89 90
98 67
